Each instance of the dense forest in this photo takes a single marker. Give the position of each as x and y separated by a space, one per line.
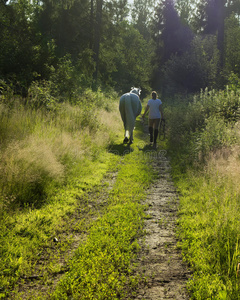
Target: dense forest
178 46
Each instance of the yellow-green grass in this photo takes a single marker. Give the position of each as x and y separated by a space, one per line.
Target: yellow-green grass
209 226
101 268
50 162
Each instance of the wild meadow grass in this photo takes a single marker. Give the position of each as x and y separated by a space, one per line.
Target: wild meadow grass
48 160
209 225
51 162
206 165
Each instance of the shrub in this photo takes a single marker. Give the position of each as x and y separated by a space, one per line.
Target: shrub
44 147
40 95
203 124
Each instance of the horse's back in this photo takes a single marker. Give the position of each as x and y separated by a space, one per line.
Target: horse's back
130 103
136 104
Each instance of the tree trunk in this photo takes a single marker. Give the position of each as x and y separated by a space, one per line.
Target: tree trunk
220 37
91 26
98 27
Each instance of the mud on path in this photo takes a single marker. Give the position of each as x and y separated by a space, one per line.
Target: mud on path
160 259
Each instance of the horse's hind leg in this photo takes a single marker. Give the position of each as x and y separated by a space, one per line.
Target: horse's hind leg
131 137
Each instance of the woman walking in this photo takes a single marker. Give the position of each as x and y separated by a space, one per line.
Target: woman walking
154 106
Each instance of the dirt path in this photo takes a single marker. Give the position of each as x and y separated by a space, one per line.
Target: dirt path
160 259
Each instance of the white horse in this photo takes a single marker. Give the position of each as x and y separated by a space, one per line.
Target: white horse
130 107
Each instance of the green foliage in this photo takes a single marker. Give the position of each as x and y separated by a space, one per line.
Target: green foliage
56 41
63 78
68 80
215 135
203 134
40 95
6 92
233 82
232 45
194 70
202 124
121 69
141 16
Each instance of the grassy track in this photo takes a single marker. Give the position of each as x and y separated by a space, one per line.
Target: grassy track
101 268
102 264
66 198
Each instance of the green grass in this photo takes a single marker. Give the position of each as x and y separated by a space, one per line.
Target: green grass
209 229
49 160
101 267
54 170
56 166
204 147
27 232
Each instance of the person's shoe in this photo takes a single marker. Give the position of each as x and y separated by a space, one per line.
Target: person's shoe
125 141
154 146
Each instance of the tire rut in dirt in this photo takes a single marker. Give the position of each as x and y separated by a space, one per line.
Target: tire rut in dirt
90 207
160 259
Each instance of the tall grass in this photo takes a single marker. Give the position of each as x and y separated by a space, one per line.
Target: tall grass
39 147
49 158
204 142
209 229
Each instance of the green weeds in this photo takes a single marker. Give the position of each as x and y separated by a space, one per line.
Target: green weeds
203 141
53 163
209 224
49 159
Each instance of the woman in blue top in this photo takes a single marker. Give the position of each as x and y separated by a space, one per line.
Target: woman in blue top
154 106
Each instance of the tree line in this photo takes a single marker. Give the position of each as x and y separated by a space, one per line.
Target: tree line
178 46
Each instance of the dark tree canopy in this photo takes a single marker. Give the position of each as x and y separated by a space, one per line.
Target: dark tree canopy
103 43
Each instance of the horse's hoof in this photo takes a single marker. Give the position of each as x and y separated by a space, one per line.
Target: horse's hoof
125 140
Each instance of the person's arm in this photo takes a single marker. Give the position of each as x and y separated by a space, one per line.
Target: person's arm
161 111
146 110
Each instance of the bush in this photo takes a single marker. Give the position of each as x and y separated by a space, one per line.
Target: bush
40 95
193 70
44 147
203 124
